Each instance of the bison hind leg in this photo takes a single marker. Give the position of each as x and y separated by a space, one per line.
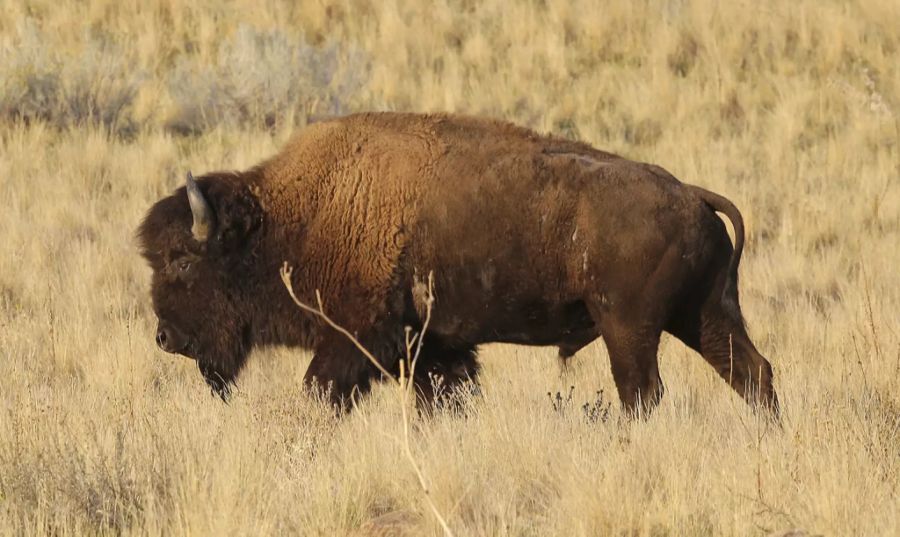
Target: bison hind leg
716 331
632 344
709 321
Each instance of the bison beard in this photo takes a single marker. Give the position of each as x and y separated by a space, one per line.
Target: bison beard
221 368
219 382
532 240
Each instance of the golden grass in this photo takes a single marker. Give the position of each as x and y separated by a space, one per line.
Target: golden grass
792 111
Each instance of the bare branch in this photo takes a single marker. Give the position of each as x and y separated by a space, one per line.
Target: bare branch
405 383
320 312
406 391
419 340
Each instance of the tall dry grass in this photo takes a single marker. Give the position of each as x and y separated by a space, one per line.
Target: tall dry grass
793 111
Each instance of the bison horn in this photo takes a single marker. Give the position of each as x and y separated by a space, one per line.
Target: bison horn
203 215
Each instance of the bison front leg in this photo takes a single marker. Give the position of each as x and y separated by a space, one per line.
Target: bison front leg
442 369
339 371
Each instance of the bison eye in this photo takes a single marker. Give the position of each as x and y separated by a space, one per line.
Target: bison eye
183 266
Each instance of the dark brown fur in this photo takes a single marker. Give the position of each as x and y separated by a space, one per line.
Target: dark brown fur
532 240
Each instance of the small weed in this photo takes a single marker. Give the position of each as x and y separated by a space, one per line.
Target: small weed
559 402
597 411
594 411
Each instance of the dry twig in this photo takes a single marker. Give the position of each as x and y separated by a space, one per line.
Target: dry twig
405 383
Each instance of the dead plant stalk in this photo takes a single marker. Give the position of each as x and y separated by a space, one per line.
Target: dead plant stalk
404 383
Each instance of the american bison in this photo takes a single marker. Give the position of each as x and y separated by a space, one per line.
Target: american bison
531 239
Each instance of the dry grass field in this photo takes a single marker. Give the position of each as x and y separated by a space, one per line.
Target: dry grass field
791 109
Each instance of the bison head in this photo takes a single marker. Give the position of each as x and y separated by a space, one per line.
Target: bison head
200 243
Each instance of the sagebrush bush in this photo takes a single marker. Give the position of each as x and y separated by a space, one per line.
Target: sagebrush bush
257 78
94 84
261 78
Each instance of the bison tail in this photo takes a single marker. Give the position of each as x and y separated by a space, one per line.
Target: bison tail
723 205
